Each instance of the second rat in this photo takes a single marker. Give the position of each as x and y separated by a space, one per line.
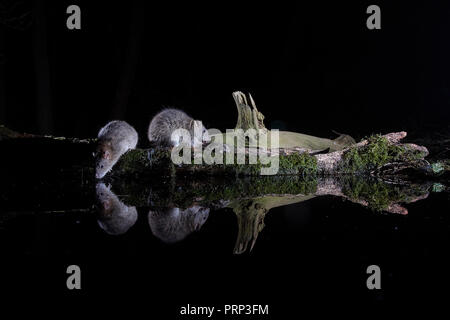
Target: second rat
164 124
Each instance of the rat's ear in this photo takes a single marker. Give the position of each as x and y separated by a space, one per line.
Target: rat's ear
107 155
107 205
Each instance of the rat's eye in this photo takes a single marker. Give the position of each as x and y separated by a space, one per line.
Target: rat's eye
101 166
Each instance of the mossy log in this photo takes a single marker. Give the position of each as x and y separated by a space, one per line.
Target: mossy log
298 154
377 155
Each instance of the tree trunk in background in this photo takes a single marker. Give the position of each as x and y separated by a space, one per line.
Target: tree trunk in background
128 71
42 69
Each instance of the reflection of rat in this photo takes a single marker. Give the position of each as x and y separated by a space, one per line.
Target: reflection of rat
167 121
114 216
174 224
114 139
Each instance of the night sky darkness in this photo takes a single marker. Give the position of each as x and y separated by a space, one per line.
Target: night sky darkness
311 67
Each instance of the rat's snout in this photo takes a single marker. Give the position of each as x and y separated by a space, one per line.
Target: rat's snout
99 171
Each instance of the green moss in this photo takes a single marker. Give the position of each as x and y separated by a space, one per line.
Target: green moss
183 192
378 194
438 167
438 187
294 164
141 162
232 189
132 161
303 164
378 152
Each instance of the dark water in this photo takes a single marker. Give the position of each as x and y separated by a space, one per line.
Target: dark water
310 252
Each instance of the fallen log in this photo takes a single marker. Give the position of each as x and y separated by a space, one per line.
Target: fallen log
376 155
296 154
369 156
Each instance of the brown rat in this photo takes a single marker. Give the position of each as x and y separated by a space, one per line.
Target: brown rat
114 139
167 121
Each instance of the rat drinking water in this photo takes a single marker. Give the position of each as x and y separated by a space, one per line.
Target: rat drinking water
114 139
167 121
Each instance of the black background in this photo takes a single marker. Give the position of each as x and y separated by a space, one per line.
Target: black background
310 256
311 67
